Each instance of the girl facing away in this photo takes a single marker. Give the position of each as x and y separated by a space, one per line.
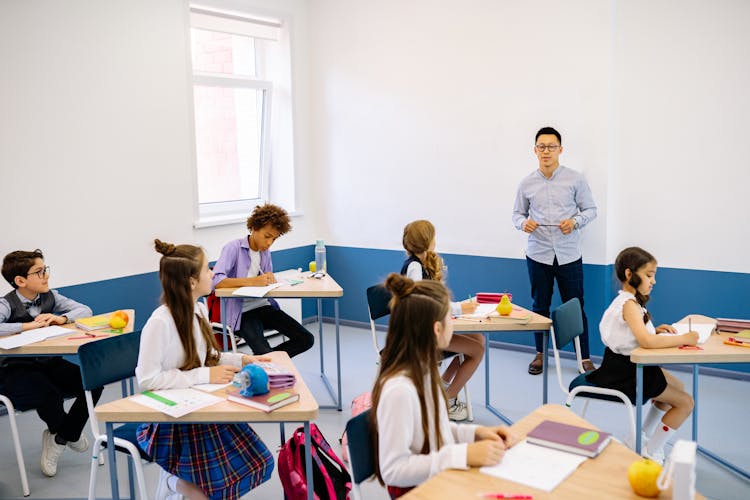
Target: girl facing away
178 350
424 263
413 437
626 325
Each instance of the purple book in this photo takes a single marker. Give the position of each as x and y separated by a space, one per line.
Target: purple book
571 438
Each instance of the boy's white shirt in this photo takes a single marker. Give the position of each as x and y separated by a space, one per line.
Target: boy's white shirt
161 354
400 436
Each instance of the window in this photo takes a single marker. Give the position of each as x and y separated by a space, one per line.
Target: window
241 71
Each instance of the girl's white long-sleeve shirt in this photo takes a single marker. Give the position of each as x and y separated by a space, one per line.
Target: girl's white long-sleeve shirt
161 354
400 435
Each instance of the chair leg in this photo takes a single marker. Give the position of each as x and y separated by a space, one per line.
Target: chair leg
585 407
96 456
17 445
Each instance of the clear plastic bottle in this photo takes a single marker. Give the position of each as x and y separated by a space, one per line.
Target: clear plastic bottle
320 257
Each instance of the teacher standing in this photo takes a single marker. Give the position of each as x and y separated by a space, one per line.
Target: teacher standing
552 205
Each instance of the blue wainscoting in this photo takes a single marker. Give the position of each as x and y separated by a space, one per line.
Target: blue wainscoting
677 292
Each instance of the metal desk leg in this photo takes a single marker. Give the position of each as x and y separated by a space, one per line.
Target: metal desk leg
336 400
487 403
112 461
638 406
223 311
545 366
308 462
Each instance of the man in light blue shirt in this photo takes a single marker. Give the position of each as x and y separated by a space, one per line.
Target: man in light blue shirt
552 205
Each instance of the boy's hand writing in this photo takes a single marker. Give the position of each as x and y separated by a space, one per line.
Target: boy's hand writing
264 279
498 432
484 452
222 374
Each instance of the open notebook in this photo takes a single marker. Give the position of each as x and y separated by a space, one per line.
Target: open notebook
703 329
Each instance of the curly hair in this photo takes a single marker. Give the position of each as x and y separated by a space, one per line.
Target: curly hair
269 214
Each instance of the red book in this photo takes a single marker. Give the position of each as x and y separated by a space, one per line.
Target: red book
569 438
492 297
268 402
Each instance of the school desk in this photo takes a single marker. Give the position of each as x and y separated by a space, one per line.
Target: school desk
713 351
303 411
487 326
310 288
605 476
65 344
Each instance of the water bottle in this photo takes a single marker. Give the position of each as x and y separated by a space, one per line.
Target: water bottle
320 257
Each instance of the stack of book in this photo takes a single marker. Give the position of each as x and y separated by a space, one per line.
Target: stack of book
98 322
268 402
278 376
732 325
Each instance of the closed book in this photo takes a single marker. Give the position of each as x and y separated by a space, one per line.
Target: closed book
570 438
278 375
268 402
492 297
94 322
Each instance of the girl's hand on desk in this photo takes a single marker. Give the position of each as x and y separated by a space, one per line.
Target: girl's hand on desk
484 452
247 359
689 338
468 307
666 329
500 432
222 374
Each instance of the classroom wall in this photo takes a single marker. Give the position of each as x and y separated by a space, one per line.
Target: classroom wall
96 145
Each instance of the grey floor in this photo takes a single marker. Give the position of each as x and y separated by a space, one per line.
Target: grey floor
724 404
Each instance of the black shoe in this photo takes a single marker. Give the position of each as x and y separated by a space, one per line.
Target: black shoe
535 367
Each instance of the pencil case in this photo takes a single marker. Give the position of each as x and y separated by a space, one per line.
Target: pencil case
492 297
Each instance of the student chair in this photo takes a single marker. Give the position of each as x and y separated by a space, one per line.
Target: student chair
567 325
16 443
103 362
360 450
378 299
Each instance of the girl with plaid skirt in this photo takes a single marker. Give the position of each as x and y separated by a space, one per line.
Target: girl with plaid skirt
178 350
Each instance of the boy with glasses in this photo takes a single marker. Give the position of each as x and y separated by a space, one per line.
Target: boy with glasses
552 204
42 383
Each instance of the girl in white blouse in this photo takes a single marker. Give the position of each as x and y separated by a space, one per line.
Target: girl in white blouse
412 435
625 325
178 349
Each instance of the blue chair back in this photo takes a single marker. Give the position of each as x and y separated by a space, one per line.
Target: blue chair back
109 360
361 452
378 298
567 321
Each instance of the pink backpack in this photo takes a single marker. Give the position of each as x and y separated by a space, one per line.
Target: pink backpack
359 404
330 477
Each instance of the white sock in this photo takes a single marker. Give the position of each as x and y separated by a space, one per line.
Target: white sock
659 438
652 418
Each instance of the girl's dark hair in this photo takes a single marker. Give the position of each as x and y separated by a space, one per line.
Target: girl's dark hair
417 238
178 264
634 258
411 349
269 214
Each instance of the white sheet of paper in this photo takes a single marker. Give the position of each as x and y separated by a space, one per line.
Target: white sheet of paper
210 387
290 276
256 291
187 400
536 466
31 336
704 330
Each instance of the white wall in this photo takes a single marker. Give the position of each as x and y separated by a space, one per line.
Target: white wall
96 155
428 109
